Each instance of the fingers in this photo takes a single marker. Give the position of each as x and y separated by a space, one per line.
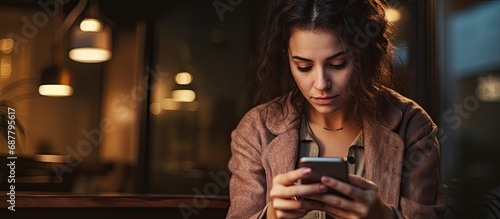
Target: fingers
273 212
362 194
288 192
362 182
289 178
341 206
284 185
358 189
284 188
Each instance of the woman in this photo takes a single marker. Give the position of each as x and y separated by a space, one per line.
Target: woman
323 72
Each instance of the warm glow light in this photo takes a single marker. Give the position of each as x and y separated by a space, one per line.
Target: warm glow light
183 95
55 90
6 45
392 15
5 67
90 47
90 55
170 104
155 108
183 78
488 89
90 25
51 158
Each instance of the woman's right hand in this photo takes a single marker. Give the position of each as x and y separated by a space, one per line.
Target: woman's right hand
284 202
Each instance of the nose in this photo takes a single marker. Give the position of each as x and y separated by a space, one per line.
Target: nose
322 81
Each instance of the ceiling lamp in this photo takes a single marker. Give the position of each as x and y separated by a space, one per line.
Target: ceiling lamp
90 41
55 82
56 79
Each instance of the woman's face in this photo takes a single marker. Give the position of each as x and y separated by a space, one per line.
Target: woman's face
320 69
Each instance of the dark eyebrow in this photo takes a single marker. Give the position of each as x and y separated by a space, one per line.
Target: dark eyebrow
327 59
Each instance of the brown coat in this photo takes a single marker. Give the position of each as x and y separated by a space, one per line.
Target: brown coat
401 152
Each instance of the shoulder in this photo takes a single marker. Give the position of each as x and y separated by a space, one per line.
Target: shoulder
408 107
407 115
276 116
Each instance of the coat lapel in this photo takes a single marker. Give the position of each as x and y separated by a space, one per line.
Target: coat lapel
384 154
283 152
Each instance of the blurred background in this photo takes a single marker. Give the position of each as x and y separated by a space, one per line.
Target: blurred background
141 96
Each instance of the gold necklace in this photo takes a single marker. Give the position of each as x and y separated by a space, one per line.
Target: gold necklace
336 130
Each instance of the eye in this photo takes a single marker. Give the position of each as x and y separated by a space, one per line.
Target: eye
339 66
304 69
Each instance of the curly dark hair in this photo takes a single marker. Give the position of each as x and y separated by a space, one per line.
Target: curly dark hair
364 34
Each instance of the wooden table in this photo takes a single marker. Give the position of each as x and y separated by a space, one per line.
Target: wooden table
115 206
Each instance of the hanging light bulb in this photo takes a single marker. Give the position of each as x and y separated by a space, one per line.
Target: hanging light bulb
55 82
91 25
91 47
91 40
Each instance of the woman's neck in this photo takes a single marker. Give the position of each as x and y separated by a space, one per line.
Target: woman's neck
332 121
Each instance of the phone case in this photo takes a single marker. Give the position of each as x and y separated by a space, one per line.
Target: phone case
334 167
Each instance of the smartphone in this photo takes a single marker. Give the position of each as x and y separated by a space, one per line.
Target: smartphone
335 167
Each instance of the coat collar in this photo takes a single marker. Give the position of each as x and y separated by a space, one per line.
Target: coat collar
281 116
391 115
283 121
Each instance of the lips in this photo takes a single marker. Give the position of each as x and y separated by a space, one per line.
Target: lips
324 100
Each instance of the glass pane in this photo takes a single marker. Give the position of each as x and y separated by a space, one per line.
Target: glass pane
468 33
201 66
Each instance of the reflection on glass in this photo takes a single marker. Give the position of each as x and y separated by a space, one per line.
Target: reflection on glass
6 45
172 104
183 95
155 108
189 139
5 67
488 88
183 78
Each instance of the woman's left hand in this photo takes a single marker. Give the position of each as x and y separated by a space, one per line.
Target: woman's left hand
365 200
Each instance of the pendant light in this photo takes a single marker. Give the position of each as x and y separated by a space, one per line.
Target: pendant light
91 40
56 79
55 82
183 94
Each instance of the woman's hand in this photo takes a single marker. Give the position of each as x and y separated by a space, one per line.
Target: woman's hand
284 195
365 200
